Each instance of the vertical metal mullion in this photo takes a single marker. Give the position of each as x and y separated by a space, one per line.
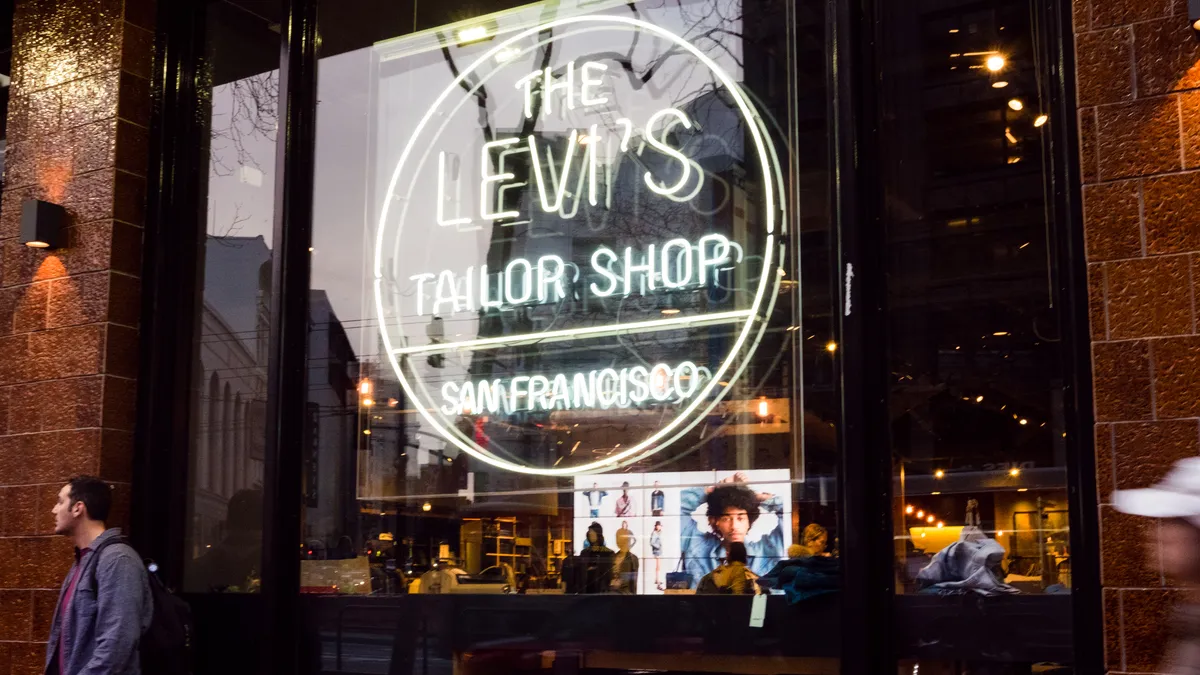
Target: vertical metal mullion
1071 282
867 580
287 389
172 281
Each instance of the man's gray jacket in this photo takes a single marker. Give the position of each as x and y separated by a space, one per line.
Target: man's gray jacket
106 616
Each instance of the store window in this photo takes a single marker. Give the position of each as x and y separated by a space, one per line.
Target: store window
223 542
571 332
979 439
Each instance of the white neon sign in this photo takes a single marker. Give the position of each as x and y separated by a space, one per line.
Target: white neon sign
675 263
553 189
598 389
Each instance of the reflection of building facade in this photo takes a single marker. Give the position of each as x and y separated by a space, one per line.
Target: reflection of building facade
328 473
233 361
232 366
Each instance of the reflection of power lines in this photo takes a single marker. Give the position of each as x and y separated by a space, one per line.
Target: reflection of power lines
562 352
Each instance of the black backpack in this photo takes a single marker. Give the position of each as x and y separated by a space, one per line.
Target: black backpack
166 646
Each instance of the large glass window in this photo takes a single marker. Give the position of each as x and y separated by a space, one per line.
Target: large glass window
224 530
572 336
976 364
570 328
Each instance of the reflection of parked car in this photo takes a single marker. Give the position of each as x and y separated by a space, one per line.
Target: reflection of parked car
449 579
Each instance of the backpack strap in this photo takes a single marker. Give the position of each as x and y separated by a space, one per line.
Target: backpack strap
100 549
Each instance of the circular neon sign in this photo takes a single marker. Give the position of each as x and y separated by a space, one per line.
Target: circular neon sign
633 227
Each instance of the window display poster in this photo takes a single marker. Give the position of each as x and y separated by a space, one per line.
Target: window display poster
683 521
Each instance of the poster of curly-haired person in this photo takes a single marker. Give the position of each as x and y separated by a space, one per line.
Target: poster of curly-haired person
684 522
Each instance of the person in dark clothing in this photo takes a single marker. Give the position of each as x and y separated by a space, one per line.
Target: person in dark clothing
597 562
105 605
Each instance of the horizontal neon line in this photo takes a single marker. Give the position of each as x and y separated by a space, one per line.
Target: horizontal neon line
574 333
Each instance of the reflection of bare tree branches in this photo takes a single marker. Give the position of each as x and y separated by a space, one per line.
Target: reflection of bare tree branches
253 115
478 91
235 225
708 23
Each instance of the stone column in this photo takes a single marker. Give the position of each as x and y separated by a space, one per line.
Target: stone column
1139 119
78 118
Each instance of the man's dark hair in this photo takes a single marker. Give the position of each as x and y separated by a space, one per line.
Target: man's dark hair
736 553
732 496
95 494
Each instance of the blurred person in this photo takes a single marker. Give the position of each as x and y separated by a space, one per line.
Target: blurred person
624 530
733 508
625 502
1175 545
105 604
731 577
814 539
625 565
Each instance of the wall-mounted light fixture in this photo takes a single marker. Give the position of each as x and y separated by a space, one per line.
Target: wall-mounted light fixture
1194 15
43 225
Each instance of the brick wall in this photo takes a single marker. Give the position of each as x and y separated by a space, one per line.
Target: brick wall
1139 119
77 136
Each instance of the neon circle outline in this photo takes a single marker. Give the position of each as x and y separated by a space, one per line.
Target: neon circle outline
647 447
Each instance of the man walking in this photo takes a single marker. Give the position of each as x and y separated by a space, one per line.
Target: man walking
105 604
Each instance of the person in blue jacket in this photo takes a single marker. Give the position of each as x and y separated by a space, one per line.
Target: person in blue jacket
733 508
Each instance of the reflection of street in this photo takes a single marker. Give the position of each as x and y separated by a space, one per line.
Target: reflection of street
371 653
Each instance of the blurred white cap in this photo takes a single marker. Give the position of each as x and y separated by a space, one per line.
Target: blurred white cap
1177 495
